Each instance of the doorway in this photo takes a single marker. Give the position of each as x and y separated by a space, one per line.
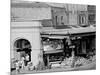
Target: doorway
22 48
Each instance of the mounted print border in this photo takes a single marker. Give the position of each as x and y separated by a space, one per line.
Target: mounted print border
52 37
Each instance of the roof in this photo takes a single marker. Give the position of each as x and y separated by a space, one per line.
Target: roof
29 4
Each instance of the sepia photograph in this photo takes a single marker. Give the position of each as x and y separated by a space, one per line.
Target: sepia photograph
52 37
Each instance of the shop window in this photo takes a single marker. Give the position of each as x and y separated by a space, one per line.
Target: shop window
81 47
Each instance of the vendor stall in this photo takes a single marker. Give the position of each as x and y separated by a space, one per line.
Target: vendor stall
53 49
61 43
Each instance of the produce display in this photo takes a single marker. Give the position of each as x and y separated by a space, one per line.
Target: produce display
82 61
76 61
72 61
52 45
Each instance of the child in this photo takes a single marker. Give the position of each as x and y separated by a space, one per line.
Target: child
17 66
30 66
20 64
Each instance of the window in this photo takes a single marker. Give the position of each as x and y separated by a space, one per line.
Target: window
62 23
82 19
91 14
56 20
91 19
47 23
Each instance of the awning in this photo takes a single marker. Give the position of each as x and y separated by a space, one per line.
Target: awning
72 30
54 36
82 30
53 51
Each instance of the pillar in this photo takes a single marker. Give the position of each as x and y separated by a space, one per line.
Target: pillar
36 53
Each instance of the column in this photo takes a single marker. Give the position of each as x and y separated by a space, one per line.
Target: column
36 53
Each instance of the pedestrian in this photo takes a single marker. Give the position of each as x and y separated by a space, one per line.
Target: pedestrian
17 66
30 66
27 59
22 62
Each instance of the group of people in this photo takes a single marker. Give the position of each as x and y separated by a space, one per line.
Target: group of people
22 63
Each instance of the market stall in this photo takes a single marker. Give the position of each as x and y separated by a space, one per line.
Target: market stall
53 49
68 46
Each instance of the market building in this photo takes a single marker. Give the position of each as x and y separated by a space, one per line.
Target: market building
50 33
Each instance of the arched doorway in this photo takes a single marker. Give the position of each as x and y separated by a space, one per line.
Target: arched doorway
22 48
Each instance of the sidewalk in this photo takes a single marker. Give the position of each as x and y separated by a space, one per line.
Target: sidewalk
91 66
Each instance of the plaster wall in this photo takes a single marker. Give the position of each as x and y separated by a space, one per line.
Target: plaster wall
29 31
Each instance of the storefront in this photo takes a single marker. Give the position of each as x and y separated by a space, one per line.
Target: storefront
53 47
84 43
58 46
